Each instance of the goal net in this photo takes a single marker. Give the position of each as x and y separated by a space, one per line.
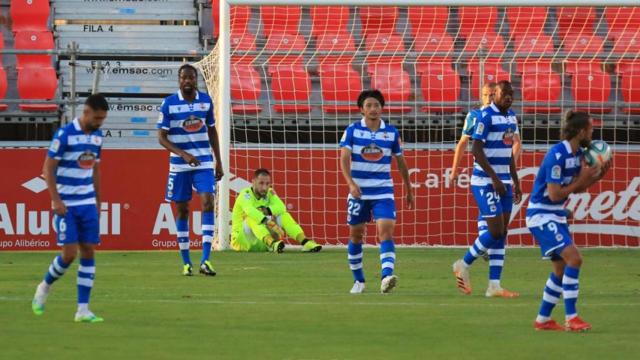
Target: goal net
294 73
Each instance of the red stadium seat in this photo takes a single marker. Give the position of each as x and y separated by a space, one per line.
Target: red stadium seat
335 42
573 20
427 20
622 20
243 41
246 87
280 19
489 42
477 20
34 40
329 20
388 76
540 85
37 83
439 83
291 82
590 86
378 20
433 42
3 87
339 83
390 43
534 44
290 48
627 43
582 44
30 15
526 21
630 86
493 72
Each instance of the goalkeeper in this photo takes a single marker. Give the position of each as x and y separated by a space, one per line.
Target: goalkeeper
260 219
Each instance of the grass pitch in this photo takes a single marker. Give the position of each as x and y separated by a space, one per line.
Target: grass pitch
297 306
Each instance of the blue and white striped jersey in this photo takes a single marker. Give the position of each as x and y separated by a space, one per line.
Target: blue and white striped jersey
559 166
470 121
497 131
77 152
187 124
371 158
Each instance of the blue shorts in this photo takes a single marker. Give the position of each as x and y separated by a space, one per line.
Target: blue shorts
180 185
490 203
552 237
360 211
79 224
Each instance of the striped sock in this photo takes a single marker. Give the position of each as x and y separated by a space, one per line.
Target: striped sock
550 298
182 226
482 243
496 261
86 274
570 285
355 261
56 270
207 234
387 257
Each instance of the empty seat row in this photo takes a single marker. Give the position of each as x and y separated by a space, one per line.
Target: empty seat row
30 15
440 85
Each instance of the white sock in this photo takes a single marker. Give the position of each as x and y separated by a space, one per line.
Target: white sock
494 284
83 308
542 319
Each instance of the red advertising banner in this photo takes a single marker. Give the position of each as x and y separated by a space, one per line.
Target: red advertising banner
134 216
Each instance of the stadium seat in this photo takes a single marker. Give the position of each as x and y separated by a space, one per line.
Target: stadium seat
290 48
491 43
33 40
540 85
573 20
336 42
579 44
37 83
388 76
3 87
243 41
241 38
534 44
427 20
627 43
339 82
477 20
526 21
290 82
630 86
388 43
590 86
622 20
246 86
280 19
439 83
329 20
493 72
433 42
378 20
30 15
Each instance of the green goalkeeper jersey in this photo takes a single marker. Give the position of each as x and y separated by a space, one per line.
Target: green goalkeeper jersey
247 205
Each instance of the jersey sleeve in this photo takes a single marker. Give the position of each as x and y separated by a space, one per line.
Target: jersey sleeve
211 120
553 165
249 208
469 122
481 128
276 205
396 148
347 138
164 121
58 145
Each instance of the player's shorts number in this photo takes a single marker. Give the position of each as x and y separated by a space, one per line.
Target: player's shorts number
492 197
554 229
354 208
62 226
170 184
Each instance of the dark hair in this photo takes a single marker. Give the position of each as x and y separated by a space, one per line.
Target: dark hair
261 171
187 66
502 84
97 102
574 121
365 94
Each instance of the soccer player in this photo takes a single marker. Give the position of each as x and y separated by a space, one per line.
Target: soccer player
72 172
563 172
186 128
493 189
260 219
365 159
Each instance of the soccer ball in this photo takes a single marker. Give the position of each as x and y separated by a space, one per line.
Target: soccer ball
598 153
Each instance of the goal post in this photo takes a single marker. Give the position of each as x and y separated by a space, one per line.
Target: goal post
279 126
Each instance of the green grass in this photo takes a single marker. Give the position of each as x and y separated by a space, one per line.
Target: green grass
297 306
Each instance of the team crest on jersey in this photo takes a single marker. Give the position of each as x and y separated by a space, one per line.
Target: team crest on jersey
192 124
556 172
86 160
372 152
507 137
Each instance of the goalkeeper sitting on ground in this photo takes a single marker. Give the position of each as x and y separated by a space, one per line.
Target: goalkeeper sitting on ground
259 217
